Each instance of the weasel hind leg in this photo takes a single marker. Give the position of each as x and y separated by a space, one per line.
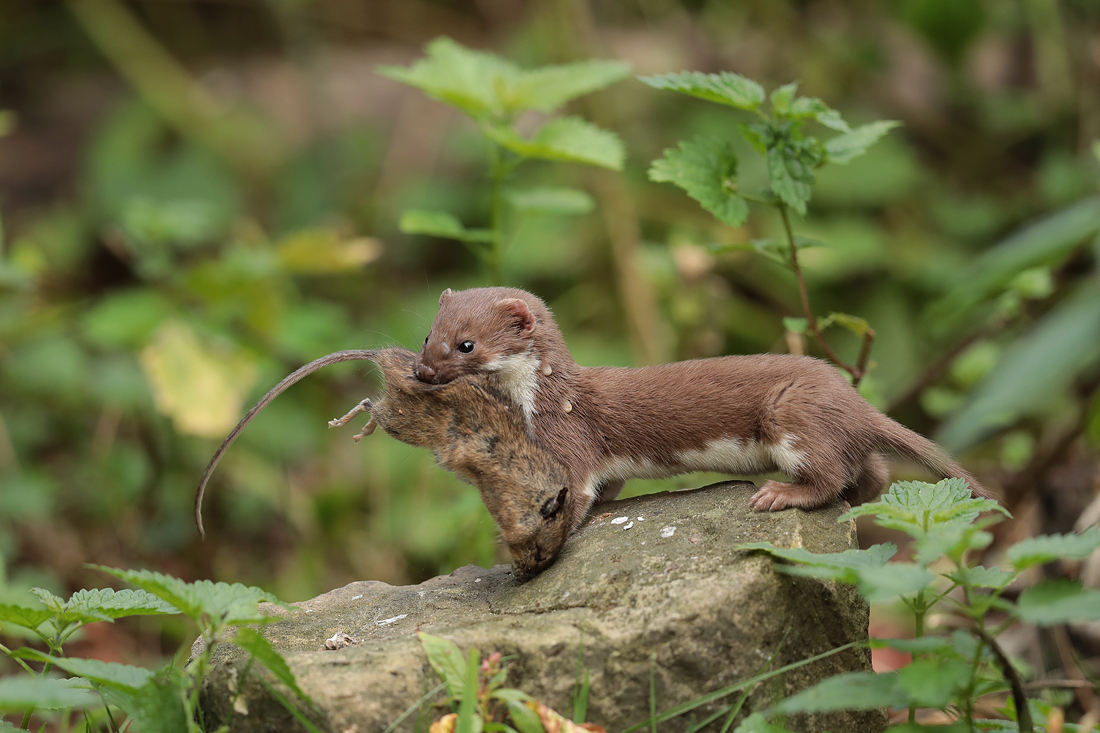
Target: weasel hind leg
872 477
806 491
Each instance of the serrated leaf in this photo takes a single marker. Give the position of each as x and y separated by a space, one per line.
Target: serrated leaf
844 566
815 109
112 674
790 171
459 76
982 577
224 604
845 148
568 139
553 201
849 691
723 88
1058 601
932 683
1048 548
952 540
440 224
158 706
706 169
880 584
855 324
781 98
447 661
256 644
20 692
549 87
28 618
119 603
915 507
49 600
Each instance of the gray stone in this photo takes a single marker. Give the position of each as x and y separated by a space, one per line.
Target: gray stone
661 593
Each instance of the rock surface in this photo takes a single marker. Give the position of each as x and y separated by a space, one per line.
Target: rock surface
661 592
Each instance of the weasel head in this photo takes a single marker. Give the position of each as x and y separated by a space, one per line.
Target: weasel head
480 330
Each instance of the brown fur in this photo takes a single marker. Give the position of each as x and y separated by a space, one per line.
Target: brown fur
646 418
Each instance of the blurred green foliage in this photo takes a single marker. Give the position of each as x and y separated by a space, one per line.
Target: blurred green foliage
196 199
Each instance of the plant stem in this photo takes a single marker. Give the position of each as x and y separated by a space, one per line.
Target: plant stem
860 369
1023 713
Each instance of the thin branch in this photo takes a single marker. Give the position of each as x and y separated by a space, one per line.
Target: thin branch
1023 713
858 371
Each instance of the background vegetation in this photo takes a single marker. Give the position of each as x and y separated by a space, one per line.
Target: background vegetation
198 197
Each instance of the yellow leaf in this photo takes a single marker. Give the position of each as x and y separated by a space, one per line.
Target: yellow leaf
446 724
200 387
324 250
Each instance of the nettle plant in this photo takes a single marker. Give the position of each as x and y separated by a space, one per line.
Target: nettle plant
951 669
165 700
706 169
495 93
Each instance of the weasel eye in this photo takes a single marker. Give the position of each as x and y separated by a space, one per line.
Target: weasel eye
466 347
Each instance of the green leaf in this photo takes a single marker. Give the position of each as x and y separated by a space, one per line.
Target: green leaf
447 661
706 169
881 584
440 224
253 642
844 148
849 691
29 618
466 79
781 98
1046 242
953 540
469 721
19 692
1035 370
111 674
913 646
224 604
790 170
874 556
815 109
723 88
568 139
796 325
1048 548
757 723
158 706
524 718
932 683
914 507
553 201
982 577
1058 601
117 604
549 87
49 600
868 569
855 324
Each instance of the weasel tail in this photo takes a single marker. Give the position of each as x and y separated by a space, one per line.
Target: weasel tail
906 443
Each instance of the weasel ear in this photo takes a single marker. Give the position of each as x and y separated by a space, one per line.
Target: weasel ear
517 309
444 295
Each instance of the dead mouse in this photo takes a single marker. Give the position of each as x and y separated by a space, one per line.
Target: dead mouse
473 430
732 414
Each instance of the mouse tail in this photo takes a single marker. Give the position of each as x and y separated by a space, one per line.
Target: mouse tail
324 361
907 443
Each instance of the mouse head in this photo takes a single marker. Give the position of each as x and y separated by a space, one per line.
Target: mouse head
480 330
535 527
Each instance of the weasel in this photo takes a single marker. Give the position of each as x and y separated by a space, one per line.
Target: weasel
471 428
740 415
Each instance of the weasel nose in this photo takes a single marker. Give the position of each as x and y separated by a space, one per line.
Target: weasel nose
425 373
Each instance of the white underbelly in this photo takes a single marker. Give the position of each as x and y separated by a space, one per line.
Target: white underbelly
723 455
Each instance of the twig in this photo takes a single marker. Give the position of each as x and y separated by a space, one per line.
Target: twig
1084 694
1023 712
860 369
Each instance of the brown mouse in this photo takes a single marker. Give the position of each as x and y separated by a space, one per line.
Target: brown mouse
472 429
732 414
